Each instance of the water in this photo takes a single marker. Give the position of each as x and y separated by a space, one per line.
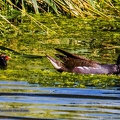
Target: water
20 100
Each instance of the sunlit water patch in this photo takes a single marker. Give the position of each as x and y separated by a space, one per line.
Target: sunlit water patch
26 101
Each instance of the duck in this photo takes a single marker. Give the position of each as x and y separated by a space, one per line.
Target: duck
3 61
77 64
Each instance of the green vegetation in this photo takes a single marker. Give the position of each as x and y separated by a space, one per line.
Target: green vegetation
14 12
28 37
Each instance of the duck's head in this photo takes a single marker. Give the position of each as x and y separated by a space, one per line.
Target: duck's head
3 60
118 65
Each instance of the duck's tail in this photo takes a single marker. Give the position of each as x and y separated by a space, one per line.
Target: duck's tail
57 65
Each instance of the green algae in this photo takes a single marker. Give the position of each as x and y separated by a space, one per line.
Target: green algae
95 39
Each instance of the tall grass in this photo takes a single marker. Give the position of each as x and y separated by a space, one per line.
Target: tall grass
77 8
14 10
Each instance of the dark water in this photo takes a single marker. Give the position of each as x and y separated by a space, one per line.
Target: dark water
37 102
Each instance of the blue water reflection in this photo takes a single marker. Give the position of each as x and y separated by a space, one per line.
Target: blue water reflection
58 103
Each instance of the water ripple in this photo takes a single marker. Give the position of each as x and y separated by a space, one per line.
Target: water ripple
20 100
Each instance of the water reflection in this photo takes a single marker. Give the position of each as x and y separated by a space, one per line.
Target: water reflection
20 100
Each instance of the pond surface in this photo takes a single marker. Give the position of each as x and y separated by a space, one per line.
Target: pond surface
27 101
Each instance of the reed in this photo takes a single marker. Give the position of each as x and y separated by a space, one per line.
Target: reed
77 8
13 11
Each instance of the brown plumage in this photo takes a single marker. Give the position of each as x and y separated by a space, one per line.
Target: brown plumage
72 60
78 64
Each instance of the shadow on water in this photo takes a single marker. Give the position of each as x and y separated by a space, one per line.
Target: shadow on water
35 102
